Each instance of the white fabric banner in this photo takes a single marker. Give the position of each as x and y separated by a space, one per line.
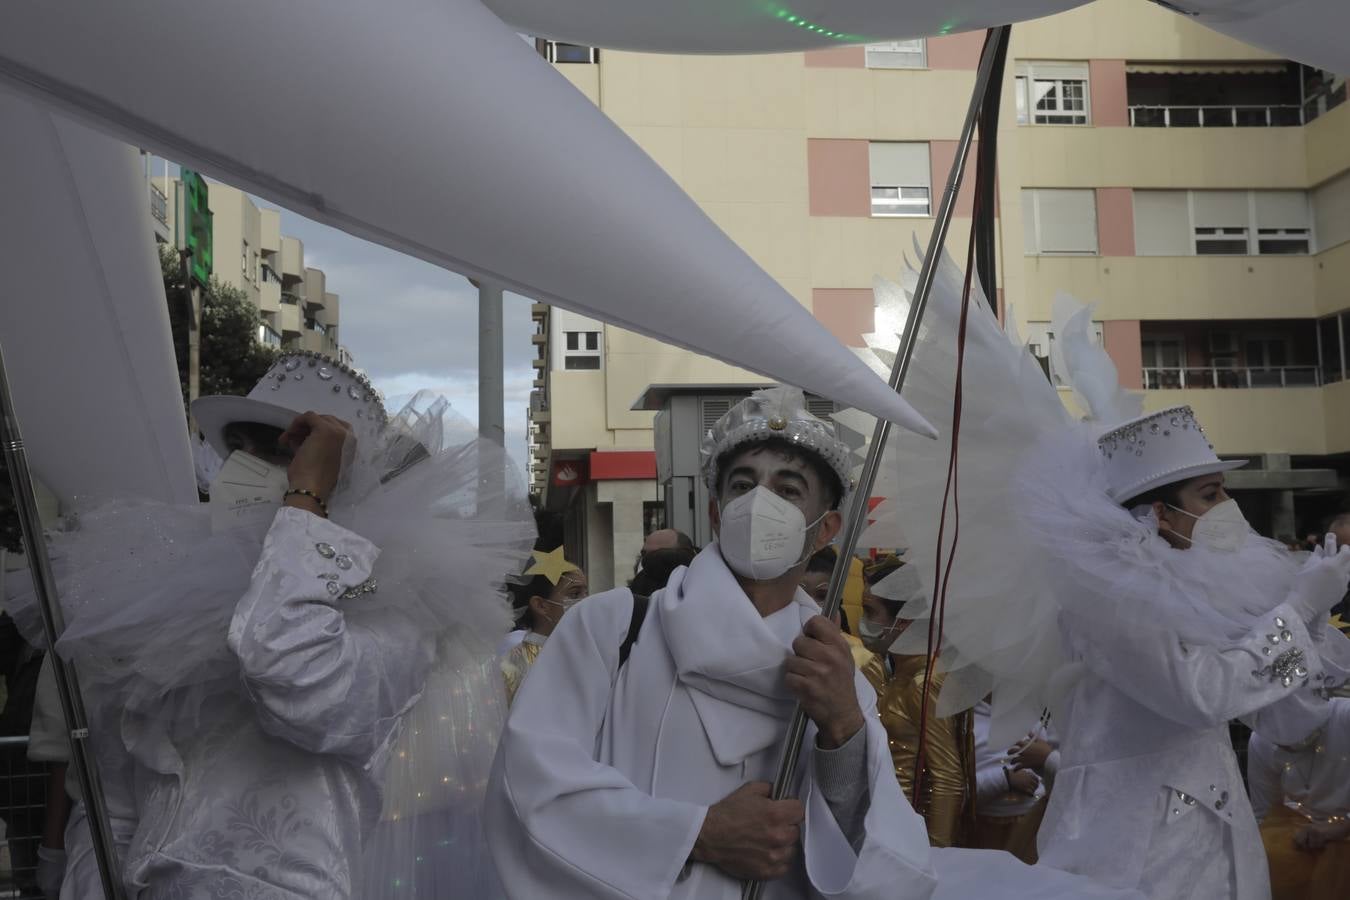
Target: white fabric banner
83 321
423 125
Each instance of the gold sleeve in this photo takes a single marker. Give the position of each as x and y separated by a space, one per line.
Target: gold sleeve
945 767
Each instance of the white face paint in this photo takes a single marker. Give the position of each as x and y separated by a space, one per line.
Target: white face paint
1222 527
246 492
761 535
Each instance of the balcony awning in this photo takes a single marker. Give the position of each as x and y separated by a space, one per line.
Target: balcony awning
1243 67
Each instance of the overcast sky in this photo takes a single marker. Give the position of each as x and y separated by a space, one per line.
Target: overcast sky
412 326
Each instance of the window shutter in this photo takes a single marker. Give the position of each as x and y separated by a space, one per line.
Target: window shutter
896 163
1281 209
1220 209
1162 224
1068 221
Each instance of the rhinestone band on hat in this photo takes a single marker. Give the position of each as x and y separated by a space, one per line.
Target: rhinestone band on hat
294 364
1133 437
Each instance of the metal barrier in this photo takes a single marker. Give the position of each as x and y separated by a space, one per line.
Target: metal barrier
23 800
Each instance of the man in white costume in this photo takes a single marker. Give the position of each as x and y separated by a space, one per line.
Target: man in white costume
635 760
250 662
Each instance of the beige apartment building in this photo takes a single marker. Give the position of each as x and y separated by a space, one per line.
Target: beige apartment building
1195 188
251 254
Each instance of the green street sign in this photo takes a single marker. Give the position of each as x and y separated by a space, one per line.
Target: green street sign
197 227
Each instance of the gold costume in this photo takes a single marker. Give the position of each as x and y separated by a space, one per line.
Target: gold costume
516 664
948 777
1301 874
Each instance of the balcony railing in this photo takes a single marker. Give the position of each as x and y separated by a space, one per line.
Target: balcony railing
290 297
159 204
1162 379
1216 116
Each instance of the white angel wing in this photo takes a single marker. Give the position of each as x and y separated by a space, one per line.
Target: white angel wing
999 629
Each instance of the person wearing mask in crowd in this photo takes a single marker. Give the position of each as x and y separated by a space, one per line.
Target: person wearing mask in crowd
635 761
545 592
943 795
1102 569
657 567
1301 795
249 663
816 582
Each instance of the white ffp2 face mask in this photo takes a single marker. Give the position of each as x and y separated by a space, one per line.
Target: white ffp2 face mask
246 491
1223 527
762 535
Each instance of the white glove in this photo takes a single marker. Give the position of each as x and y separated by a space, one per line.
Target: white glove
51 871
1321 583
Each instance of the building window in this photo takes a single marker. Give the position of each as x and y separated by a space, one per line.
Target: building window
1059 221
560 52
1331 336
912 54
582 350
653 516
1052 93
243 262
1222 223
268 336
901 178
1164 364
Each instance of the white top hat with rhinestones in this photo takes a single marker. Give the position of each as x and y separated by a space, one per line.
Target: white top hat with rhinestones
299 381
1157 449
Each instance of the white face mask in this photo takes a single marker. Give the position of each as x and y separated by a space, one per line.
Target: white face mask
1222 528
246 492
762 535
870 631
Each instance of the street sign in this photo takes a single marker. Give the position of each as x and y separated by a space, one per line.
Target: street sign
196 227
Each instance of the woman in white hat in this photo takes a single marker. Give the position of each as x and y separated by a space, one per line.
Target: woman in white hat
1103 570
251 663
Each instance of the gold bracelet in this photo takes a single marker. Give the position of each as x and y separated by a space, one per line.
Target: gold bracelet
301 492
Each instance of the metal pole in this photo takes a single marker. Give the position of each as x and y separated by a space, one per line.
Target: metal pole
53 623
491 425
857 510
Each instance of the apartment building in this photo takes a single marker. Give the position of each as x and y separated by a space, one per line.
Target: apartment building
251 254
1196 189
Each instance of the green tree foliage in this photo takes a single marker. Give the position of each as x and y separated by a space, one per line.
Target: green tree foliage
232 359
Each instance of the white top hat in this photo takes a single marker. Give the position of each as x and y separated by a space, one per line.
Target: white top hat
299 381
1157 449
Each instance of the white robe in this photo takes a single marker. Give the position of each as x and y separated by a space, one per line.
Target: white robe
604 775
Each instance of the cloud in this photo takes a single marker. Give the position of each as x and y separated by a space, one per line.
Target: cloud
413 326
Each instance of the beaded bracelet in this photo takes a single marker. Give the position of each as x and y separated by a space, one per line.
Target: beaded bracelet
301 492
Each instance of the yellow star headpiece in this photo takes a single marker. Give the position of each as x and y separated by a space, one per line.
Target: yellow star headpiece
551 565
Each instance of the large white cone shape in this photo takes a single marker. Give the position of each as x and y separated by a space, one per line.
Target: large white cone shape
1310 31
759 26
83 322
430 127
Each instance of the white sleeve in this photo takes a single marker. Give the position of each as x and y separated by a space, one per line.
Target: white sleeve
991 779
1207 685
316 680
560 824
1263 776
892 861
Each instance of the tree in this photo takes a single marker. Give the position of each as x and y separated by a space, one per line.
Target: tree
231 358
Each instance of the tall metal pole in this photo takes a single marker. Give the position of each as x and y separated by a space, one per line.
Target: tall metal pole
994 49
53 623
491 425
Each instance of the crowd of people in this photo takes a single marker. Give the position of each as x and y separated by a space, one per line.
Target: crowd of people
306 695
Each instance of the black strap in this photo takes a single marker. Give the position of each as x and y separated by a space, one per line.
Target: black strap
640 602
